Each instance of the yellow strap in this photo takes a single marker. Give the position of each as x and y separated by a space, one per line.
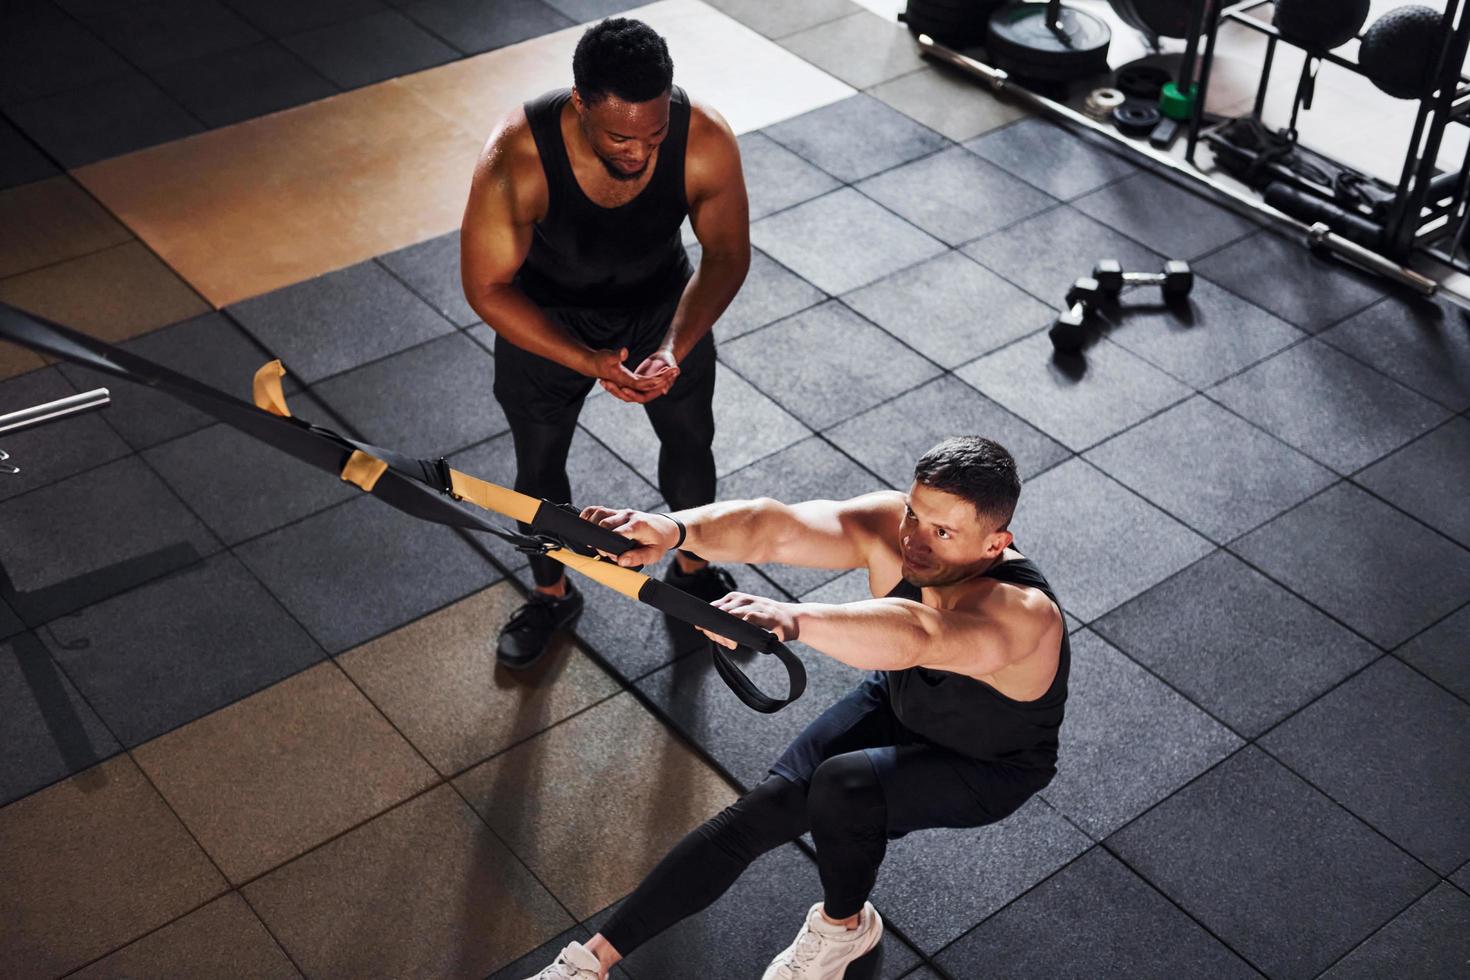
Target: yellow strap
267 389
493 497
624 580
363 469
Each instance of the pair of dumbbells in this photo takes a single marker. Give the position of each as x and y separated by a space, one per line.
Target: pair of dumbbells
1069 331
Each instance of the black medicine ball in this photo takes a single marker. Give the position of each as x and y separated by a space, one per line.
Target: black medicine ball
1320 24
1401 50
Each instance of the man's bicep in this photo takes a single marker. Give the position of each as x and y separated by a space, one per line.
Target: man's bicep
492 244
719 210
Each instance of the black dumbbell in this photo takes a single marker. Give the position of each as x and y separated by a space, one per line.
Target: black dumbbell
1176 280
1069 331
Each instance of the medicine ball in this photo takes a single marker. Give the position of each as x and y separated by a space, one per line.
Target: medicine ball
1401 50
953 23
1320 24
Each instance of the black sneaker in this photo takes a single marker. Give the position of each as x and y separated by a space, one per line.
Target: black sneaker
527 634
709 583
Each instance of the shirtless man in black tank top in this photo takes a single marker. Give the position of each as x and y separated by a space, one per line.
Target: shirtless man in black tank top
955 726
571 252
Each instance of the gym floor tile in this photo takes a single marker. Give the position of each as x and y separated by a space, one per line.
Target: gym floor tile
776 178
362 568
861 364
1290 281
828 241
1049 157
1250 671
50 221
43 51
423 890
177 648
50 730
10 623
208 348
90 864
1422 343
809 470
933 308
536 960
231 86
922 973
246 209
427 401
358 52
58 449
955 196
106 119
1054 932
856 137
1212 337
890 439
583 11
743 931
431 270
437 681
1077 404
652 790
770 292
1440 652
471 28
1045 254
1392 747
115 294
748 426
1388 584
1164 216
21 161
1329 406
862 49
1462 878
1431 939
16 360
1215 472
1427 478
1110 768
947 101
340 320
281 17
780 19
92 536
241 486
270 777
1286 877
222 939
164 31
936 884
1070 522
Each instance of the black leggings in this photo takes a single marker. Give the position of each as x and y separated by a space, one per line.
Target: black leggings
844 810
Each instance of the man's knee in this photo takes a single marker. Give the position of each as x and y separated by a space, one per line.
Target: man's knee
846 794
771 814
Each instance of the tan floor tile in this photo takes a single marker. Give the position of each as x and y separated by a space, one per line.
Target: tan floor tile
222 941
948 102
89 864
261 781
438 682
649 790
424 890
50 221
115 294
16 360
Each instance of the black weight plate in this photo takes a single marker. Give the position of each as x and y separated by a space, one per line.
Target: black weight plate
1142 82
1020 41
1136 119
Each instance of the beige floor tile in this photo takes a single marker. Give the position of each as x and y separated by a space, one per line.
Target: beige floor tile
115 294
16 360
862 49
948 102
222 941
266 778
649 790
437 681
424 890
90 864
51 221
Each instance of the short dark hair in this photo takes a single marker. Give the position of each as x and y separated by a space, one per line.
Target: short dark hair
975 469
622 57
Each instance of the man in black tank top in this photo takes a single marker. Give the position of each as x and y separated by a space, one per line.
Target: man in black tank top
955 726
571 252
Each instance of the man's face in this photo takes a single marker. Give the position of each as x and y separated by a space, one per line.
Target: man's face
624 135
944 541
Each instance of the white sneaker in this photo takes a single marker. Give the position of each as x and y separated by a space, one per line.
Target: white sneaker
573 963
822 951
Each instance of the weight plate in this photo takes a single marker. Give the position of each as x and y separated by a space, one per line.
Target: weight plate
1134 119
1022 42
1142 82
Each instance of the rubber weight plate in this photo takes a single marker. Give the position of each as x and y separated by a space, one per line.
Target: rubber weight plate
1021 42
1136 119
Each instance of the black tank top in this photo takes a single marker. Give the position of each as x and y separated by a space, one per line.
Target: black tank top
584 255
973 718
